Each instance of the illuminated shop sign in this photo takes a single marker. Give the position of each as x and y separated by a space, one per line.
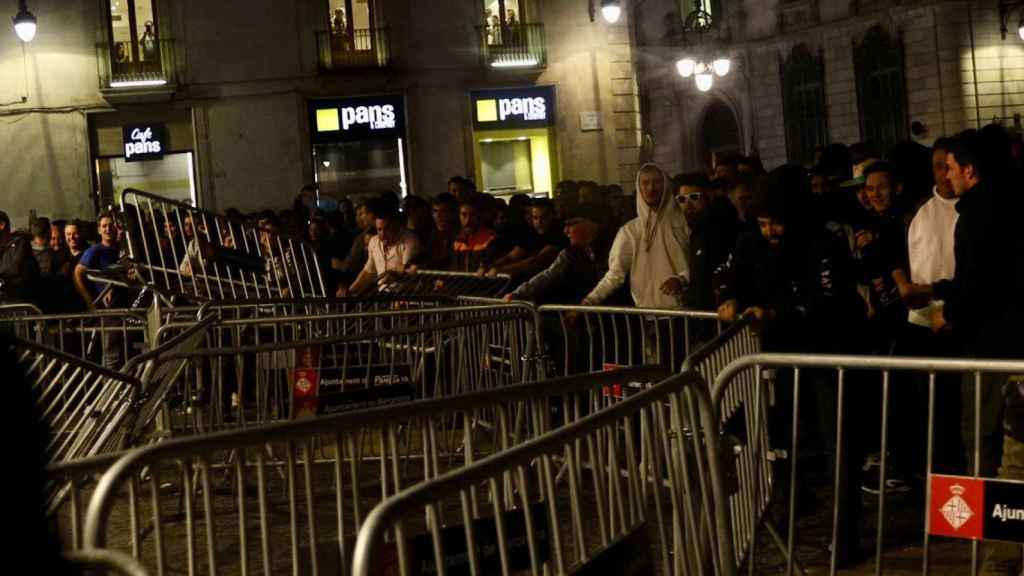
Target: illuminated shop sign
357 118
144 142
521 108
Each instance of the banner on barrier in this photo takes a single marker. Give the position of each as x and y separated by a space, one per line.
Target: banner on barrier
318 391
976 508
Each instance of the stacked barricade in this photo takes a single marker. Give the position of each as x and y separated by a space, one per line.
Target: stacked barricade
291 497
260 369
107 337
202 256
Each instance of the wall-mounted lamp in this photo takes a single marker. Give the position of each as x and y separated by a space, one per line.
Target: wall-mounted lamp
1007 8
24 22
611 10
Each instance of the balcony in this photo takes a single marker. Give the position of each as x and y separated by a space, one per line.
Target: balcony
513 46
362 48
134 71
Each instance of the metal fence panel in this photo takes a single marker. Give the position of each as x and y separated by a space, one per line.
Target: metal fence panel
291 497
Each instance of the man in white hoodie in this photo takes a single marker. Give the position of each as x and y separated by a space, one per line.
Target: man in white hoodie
650 249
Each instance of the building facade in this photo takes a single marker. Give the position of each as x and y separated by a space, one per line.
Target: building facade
241 105
812 72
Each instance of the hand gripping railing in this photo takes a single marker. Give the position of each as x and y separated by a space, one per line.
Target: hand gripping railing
324 466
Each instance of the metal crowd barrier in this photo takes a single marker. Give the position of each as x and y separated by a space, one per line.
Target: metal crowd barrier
611 493
107 337
835 372
82 404
291 497
248 371
451 284
106 562
587 338
18 309
205 256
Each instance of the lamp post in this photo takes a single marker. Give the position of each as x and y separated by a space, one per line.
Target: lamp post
24 22
611 10
704 59
1006 10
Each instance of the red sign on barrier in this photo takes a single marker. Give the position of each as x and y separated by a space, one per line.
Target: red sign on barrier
956 506
306 382
977 508
615 390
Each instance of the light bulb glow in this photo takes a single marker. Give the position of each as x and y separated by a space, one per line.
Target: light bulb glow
24 25
25 30
611 13
1020 31
704 81
685 67
721 66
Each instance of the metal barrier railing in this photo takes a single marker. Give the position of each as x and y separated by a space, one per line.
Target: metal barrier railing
586 338
450 284
248 372
107 337
82 404
18 310
205 256
835 372
105 562
322 468
586 496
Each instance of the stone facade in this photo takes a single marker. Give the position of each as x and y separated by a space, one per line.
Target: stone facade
950 85
245 76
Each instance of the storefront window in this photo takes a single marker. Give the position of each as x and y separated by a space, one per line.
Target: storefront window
171 177
135 43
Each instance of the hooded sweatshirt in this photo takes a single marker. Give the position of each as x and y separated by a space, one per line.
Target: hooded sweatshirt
649 249
930 245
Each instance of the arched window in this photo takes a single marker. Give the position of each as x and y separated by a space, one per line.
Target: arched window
881 88
803 103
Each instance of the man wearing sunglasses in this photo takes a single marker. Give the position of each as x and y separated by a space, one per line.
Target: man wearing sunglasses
714 226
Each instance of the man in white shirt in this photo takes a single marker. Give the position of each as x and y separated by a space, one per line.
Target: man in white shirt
930 241
390 254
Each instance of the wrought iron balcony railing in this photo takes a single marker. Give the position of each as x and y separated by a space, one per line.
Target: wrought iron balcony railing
360 48
513 45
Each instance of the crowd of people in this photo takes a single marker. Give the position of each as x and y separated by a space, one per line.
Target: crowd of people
914 251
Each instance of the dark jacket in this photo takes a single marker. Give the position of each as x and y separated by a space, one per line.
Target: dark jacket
712 238
808 282
984 302
568 279
19 272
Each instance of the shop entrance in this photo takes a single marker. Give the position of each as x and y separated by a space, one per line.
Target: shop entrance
513 141
359 146
172 177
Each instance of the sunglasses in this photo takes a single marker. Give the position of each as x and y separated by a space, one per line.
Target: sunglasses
691 197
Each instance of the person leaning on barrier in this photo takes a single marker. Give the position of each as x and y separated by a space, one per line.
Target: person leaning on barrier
714 228
19 271
445 213
98 257
354 262
390 254
650 250
535 250
577 268
794 276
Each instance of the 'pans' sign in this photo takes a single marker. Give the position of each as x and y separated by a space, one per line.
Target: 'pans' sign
352 119
518 108
144 142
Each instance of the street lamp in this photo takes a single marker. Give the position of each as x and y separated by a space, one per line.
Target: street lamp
24 22
706 60
611 10
1006 10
